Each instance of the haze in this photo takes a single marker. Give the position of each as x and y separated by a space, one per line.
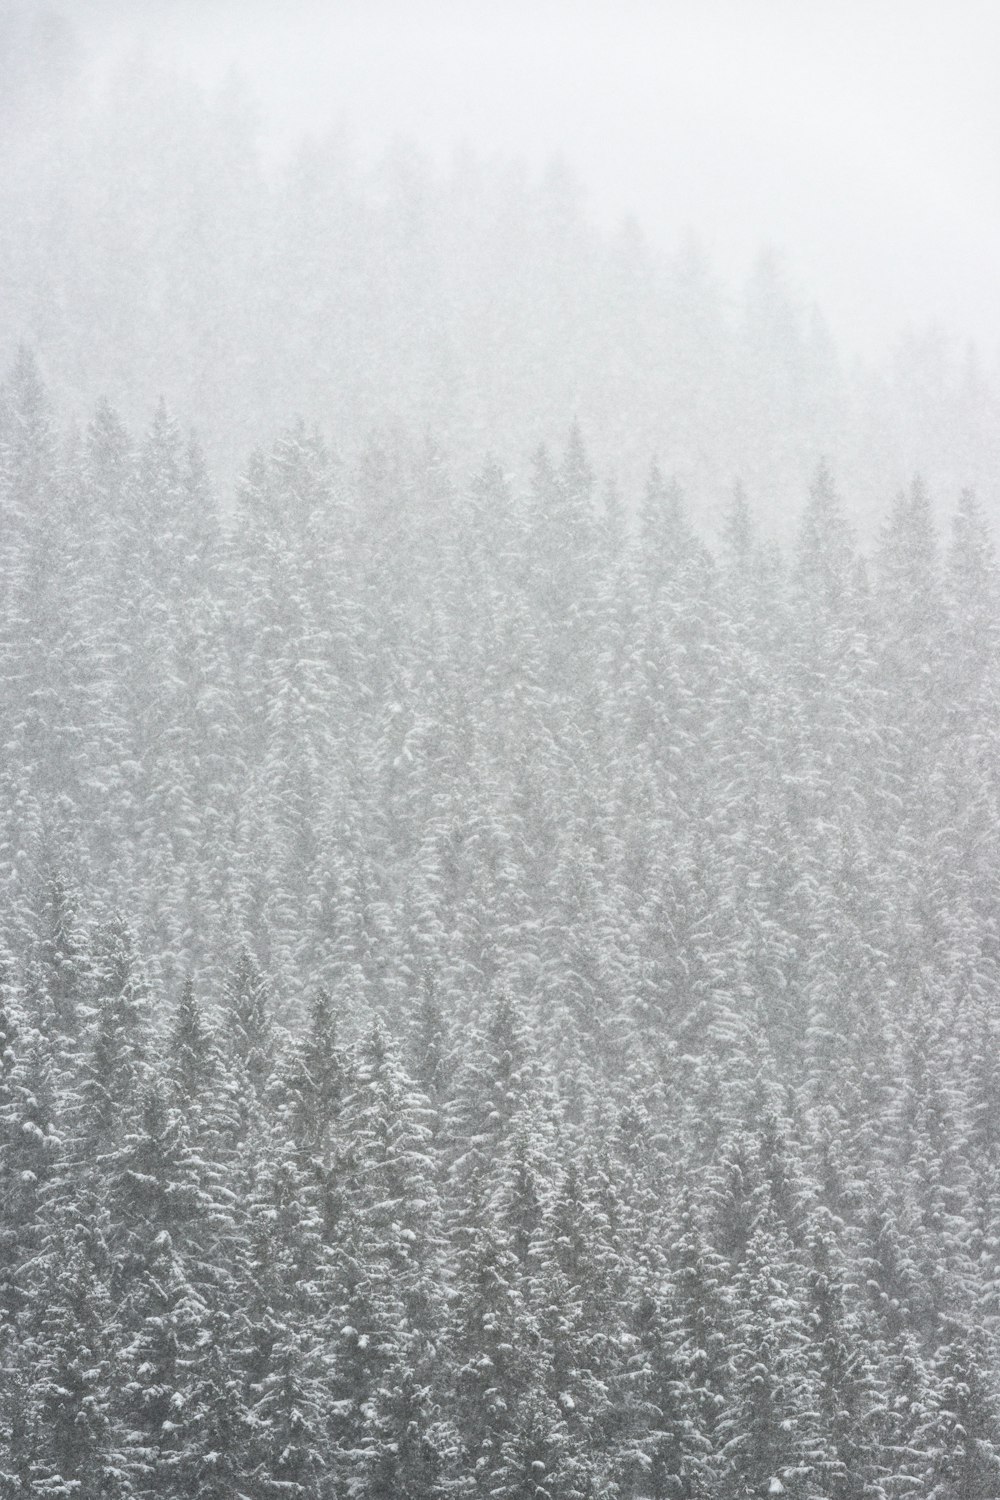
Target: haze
499 751
861 139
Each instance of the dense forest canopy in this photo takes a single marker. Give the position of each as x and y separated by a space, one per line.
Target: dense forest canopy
499 929
497 1001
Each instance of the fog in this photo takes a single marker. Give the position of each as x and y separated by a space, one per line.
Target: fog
863 139
738 237
499 751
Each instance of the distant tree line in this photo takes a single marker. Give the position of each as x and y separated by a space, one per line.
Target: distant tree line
157 243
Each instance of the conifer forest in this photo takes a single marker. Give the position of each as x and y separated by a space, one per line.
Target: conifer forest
499 864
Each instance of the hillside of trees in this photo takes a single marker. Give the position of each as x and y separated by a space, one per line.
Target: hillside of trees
156 243
499 984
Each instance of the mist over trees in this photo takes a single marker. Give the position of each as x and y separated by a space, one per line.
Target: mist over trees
162 251
499 939
490 999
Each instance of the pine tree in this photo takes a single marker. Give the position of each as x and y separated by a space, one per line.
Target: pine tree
490 1087
114 1065
663 1447
392 1189
33 1150
698 1339
770 1425
493 1349
539 1459
214 1456
73 1386
315 1081
410 1448
248 1032
62 962
288 1419
160 1322
962 1437
849 1399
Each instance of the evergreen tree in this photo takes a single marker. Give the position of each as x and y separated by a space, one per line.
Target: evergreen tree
769 1431
114 1065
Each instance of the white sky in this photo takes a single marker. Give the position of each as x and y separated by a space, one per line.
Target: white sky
861 137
